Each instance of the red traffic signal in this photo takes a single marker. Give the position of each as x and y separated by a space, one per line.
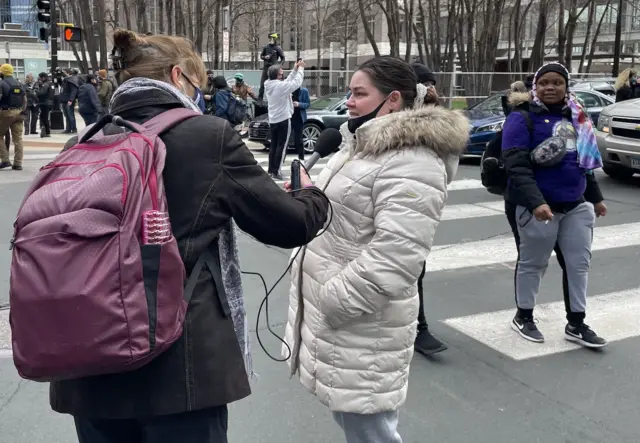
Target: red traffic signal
72 34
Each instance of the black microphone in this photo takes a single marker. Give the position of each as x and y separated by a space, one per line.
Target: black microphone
328 142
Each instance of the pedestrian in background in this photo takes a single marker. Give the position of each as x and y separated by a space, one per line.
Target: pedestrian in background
426 343
68 97
280 106
627 86
550 154
46 96
88 100
13 104
301 103
105 91
32 112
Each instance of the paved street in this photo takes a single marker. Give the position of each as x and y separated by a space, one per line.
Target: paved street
489 387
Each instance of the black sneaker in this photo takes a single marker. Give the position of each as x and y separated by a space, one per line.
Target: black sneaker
584 335
527 328
278 176
5 165
427 344
17 167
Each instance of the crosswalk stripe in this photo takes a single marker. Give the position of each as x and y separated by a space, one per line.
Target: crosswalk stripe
503 249
477 210
614 316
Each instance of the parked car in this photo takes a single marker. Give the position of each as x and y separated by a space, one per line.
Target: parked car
328 111
618 135
487 117
604 86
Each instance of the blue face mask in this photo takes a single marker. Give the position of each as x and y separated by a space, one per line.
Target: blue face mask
198 99
633 80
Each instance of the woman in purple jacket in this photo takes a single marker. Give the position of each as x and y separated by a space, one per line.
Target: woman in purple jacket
550 162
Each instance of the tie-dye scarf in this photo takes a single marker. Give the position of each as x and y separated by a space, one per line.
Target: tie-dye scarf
589 157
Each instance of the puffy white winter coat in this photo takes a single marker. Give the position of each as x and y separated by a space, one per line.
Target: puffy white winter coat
352 336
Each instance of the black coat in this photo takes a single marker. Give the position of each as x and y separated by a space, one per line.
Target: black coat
627 93
210 176
46 93
88 100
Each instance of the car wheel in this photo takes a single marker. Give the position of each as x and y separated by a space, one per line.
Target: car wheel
310 134
618 172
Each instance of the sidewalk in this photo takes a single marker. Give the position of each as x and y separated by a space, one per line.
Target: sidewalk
56 141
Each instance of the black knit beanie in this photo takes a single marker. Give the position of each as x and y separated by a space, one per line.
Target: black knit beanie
423 73
552 67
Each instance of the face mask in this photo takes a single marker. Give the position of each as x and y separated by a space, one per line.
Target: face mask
354 123
198 99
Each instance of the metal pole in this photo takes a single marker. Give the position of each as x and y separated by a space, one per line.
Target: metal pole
54 37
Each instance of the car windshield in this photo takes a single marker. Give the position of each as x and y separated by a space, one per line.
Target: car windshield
490 104
327 102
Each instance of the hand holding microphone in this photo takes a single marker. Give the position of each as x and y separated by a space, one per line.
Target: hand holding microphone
328 143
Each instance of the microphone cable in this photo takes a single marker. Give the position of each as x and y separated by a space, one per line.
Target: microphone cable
265 301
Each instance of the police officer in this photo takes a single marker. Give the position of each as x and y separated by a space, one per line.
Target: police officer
46 93
272 54
13 102
31 115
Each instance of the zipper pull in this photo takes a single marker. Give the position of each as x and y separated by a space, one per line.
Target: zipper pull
46 166
12 243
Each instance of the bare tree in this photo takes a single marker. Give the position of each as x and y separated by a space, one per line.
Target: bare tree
321 11
365 8
477 42
592 48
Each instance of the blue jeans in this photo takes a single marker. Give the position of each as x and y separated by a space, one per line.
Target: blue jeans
89 119
70 116
369 428
203 426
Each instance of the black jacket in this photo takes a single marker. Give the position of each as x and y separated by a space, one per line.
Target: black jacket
275 52
46 93
210 176
32 94
88 100
627 93
523 189
70 87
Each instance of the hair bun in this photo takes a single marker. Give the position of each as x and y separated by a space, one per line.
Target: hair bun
124 39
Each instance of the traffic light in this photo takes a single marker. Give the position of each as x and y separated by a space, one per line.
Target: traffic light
44 11
72 34
44 34
44 16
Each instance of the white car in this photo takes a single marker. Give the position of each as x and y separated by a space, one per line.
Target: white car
618 135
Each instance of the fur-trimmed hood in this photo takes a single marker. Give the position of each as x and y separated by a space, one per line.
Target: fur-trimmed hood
518 98
444 131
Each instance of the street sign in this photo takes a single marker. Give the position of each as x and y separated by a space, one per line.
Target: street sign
72 34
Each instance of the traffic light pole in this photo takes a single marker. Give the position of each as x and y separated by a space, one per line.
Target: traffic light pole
54 37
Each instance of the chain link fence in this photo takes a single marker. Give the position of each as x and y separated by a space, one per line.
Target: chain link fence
457 89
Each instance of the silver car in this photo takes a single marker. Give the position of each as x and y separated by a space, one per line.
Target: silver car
618 134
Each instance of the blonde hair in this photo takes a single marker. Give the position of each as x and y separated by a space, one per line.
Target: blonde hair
623 78
153 56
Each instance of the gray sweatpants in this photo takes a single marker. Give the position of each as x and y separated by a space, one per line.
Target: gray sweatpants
369 428
574 233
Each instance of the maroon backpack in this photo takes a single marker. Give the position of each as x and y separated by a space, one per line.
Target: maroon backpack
97 282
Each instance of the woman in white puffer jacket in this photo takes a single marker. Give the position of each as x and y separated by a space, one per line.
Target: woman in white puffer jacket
353 299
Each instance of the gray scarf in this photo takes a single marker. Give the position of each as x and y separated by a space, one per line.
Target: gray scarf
227 239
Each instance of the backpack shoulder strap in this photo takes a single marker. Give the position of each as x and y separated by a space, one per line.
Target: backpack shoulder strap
527 118
168 119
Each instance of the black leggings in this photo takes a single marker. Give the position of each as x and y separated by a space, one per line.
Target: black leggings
422 320
510 211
